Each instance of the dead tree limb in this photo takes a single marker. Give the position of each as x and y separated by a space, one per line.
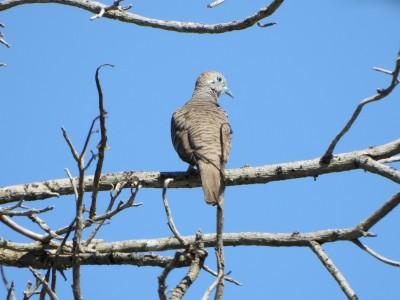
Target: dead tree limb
246 175
186 27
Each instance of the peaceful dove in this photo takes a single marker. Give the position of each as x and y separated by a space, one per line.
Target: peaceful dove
201 133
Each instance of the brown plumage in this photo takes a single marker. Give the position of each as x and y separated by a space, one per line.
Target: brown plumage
201 133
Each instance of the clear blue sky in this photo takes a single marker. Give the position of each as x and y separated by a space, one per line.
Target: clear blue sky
295 85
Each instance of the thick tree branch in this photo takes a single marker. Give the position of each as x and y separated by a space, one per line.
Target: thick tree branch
246 175
123 16
229 239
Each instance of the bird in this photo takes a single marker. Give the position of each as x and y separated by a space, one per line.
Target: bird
201 134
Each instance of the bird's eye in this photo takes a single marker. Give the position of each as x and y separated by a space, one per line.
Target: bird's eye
219 79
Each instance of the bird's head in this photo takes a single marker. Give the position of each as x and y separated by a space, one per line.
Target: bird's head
214 81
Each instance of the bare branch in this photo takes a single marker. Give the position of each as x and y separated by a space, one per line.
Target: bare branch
26 213
73 184
337 275
381 94
86 145
2 41
215 3
246 175
169 215
45 227
219 250
49 292
376 255
266 24
188 27
379 214
103 142
230 279
71 146
164 274
370 165
10 289
198 255
25 232
10 293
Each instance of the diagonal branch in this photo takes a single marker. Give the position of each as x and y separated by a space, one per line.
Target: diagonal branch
376 255
46 286
370 165
187 27
219 249
197 256
381 94
337 275
379 214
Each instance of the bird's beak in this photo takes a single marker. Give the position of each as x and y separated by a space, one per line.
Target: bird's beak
228 92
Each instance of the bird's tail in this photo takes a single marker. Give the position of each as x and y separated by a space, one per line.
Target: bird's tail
212 182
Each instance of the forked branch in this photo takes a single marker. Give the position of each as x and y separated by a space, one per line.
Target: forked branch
381 94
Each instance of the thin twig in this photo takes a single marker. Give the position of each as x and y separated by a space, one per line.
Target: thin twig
12 207
10 289
43 290
45 227
2 41
381 94
376 255
337 275
118 190
220 246
71 146
73 184
212 272
169 215
22 230
390 160
266 24
215 3
209 290
51 294
102 145
88 136
25 213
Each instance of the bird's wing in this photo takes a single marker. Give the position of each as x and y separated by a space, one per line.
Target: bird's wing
180 137
226 133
